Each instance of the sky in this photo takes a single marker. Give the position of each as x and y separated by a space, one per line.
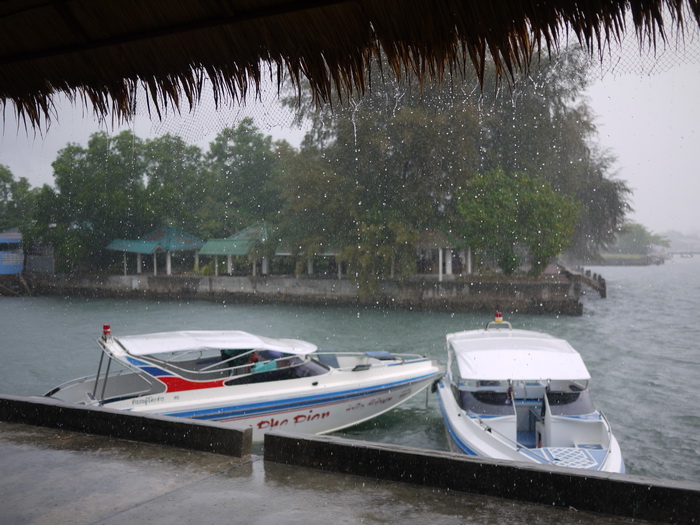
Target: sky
651 124
648 118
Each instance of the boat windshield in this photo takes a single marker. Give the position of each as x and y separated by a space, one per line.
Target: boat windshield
279 370
570 403
484 402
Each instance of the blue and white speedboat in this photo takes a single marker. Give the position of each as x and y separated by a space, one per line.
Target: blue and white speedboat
237 377
523 396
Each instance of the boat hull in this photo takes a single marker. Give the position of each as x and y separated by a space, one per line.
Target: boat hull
317 404
473 436
241 379
312 412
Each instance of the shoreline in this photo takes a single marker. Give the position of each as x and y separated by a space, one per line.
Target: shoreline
550 294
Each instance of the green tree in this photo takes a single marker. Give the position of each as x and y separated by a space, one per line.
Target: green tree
543 127
382 247
401 159
241 165
17 200
174 176
98 196
633 238
409 152
504 213
319 205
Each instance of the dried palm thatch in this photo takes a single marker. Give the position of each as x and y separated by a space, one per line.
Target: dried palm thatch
101 51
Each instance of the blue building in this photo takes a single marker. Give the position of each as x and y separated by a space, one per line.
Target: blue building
11 254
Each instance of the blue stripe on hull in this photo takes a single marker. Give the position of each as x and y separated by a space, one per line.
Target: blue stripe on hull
231 413
455 439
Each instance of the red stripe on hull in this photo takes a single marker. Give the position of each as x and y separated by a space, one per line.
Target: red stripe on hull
177 384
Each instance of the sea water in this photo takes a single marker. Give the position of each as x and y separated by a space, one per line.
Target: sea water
641 345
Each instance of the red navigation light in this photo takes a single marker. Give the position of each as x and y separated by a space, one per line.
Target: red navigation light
499 317
106 330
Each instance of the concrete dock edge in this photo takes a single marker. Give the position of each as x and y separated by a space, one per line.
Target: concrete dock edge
202 436
614 494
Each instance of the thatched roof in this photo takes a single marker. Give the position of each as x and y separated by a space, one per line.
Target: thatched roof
101 51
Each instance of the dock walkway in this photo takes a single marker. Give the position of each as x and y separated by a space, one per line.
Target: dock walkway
54 476
585 277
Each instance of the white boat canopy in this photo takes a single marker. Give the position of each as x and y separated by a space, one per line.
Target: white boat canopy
148 344
519 355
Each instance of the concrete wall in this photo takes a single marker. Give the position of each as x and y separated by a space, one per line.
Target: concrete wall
551 294
616 494
177 432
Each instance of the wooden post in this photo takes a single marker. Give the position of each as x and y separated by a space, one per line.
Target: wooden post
440 264
168 263
196 261
139 263
216 266
155 264
229 264
125 263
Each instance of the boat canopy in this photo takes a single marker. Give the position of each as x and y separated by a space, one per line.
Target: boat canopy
158 343
519 355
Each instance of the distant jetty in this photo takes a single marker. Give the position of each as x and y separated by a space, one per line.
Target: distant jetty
629 260
548 294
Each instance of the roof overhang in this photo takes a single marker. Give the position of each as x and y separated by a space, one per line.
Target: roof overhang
134 246
101 52
227 247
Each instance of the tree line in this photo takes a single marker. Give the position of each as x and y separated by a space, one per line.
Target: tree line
513 170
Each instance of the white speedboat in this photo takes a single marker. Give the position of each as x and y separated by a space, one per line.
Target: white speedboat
241 378
523 396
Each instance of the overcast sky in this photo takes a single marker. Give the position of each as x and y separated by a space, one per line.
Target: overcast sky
649 121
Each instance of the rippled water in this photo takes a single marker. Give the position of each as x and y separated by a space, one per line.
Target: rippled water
641 345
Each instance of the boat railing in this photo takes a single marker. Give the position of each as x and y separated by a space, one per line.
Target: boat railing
96 391
364 360
610 437
76 381
493 431
218 367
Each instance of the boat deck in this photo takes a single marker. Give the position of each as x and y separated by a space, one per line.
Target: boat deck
578 457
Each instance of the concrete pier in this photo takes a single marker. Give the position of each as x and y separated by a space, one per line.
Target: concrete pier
548 294
169 431
126 468
55 477
617 494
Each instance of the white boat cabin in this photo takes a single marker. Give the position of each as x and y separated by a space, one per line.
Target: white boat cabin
529 387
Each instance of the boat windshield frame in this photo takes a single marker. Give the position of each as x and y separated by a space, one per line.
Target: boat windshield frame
211 364
486 402
572 403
